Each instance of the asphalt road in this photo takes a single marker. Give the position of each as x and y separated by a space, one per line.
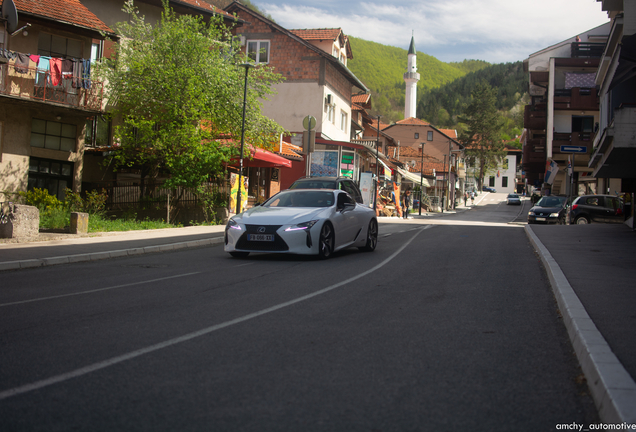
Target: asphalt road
449 325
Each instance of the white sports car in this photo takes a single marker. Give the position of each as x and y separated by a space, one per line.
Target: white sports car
303 221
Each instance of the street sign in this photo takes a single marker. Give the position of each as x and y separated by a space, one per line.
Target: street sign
309 122
573 149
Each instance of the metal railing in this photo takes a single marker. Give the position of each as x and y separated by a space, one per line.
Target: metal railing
37 84
137 194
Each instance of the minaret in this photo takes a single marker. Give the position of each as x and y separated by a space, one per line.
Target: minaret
411 77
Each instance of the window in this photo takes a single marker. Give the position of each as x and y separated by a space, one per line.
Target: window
53 135
429 136
331 116
57 46
417 136
97 132
343 121
258 51
504 182
491 181
51 175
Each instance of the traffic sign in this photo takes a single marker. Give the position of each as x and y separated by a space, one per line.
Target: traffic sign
309 122
573 149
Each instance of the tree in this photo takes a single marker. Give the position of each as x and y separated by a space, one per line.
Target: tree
176 89
482 134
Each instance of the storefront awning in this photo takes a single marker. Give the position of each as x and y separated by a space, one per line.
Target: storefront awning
260 158
415 178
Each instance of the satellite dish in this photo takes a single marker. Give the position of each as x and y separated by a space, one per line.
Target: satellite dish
10 14
413 163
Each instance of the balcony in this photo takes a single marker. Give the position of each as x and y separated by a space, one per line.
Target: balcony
534 151
36 84
534 119
615 153
573 140
578 99
586 50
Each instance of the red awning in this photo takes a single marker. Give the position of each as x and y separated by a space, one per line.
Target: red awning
260 158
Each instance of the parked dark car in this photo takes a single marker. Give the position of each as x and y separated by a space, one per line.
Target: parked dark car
488 189
596 208
337 183
549 210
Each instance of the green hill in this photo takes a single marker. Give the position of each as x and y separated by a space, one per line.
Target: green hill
442 105
381 68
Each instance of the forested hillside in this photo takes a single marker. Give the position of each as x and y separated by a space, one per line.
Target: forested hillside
442 105
381 68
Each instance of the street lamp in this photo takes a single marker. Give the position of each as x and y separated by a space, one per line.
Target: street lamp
444 185
377 167
247 67
422 178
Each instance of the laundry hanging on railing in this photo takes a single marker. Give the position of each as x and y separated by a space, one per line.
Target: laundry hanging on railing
51 71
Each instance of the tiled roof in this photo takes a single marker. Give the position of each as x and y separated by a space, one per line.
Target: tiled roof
412 121
317 34
204 5
361 98
451 133
67 11
356 107
290 151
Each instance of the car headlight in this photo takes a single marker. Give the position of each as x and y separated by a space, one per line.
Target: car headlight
554 214
302 226
233 224
530 213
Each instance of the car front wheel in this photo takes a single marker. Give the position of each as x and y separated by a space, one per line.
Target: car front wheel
372 237
326 241
581 220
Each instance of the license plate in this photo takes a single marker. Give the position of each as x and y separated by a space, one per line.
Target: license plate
541 219
260 237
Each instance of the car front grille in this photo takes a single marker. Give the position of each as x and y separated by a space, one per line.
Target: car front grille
278 245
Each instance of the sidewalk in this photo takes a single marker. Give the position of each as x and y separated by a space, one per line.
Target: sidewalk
591 268
53 249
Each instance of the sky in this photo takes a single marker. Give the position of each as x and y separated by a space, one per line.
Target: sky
497 31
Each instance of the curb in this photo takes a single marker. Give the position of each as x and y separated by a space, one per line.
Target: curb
94 256
612 387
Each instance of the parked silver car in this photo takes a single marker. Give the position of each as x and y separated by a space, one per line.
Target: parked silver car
513 199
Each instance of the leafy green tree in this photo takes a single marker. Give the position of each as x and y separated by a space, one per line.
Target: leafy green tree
482 136
177 89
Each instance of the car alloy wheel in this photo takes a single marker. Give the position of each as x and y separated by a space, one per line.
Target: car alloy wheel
372 237
325 243
582 220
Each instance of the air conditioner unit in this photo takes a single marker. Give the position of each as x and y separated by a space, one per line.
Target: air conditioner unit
329 99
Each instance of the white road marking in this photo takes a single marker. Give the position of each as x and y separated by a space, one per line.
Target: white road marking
97 290
133 354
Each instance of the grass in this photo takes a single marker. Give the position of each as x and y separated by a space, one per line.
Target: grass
98 223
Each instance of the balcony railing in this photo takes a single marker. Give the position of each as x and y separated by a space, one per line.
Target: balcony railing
36 84
534 119
580 99
574 139
534 151
586 49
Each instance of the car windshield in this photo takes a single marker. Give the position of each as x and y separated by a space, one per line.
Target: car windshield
513 196
314 184
301 198
551 201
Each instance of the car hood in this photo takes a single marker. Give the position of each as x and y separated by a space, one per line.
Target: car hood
281 215
546 209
